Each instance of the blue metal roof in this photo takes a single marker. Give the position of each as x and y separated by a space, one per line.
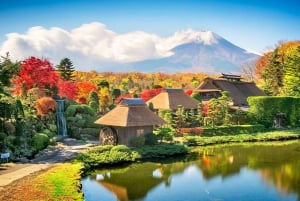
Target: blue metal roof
132 101
173 90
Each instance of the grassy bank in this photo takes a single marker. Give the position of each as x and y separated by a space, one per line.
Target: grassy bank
278 135
61 182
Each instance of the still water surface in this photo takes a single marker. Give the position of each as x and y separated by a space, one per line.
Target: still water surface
239 172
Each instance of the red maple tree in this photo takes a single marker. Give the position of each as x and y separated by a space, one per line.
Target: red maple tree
148 94
67 89
35 73
189 92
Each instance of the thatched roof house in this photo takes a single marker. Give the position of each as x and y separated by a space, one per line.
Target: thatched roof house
171 99
238 90
131 118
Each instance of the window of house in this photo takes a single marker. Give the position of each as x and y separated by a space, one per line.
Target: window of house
140 132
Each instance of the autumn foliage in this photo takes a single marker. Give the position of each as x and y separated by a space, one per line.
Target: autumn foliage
190 131
148 94
45 105
67 89
35 73
84 89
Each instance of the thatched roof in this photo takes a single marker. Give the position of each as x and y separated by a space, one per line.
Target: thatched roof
130 112
171 98
238 91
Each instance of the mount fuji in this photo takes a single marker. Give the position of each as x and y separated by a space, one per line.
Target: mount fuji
205 52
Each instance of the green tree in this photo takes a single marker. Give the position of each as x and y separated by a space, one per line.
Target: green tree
180 117
93 101
196 96
102 84
7 70
273 74
224 101
66 69
166 115
164 133
199 114
115 94
291 80
218 112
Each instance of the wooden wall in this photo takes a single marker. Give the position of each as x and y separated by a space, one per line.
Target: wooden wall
125 134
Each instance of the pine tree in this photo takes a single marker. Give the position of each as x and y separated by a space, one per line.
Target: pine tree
66 69
179 120
199 115
7 70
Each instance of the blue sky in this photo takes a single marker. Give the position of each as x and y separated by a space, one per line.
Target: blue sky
253 25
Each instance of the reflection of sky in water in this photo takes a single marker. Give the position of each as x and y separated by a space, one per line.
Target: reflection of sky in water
190 185
235 173
95 192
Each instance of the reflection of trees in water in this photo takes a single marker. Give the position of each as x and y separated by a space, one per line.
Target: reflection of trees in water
135 181
278 163
286 178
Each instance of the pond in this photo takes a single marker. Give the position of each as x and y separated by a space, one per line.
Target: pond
245 172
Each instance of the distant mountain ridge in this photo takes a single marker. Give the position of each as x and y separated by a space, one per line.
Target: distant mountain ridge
207 53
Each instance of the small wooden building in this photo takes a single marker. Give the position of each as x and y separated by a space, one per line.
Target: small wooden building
171 99
238 90
129 119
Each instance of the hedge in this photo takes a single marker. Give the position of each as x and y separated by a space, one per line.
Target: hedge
233 130
278 135
264 108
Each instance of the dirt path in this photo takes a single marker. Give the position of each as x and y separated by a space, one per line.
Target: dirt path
62 152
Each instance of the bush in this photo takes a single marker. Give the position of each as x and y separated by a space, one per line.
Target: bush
161 151
73 110
138 141
48 132
91 131
164 133
80 117
106 155
150 139
40 141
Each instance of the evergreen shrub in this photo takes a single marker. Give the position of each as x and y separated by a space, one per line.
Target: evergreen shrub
108 154
40 141
138 141
151 139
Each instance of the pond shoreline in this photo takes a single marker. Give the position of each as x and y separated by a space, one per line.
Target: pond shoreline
21 184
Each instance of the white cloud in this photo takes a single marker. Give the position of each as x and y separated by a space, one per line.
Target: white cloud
93 45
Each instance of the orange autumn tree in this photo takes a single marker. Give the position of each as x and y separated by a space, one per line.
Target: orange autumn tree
276 71
35 72
45 105
84 89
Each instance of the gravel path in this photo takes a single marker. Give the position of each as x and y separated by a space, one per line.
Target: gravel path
62 152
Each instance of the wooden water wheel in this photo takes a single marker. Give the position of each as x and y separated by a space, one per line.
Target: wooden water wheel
108 136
